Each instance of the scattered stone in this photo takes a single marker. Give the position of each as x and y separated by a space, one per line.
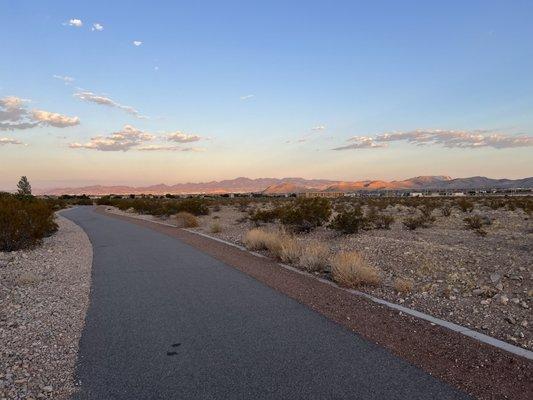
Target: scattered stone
495 277
504 299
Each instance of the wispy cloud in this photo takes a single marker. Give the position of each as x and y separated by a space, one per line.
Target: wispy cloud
106 101
5 140
361 142
155 147
181 137
123 140
97 27
446 138
14 115
137 43
247 97
67 79
318 128
78 23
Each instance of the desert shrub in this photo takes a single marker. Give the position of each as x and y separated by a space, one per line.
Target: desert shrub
377 220
216 208
186 220
24 221
351 270
216 228
314 257
427 214
402 285
475 223
348 222
266 215
290 250
195 206
104 201
242 204
446 210
304 214
413 223
464 204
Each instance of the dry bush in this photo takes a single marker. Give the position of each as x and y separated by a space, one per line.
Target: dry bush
351 270
258 239
186 220
475 223
216 228
403 285
290 250
314 257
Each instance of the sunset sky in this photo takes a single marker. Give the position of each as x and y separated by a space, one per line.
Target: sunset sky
122 92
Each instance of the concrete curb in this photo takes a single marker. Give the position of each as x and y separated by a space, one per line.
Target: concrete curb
409 311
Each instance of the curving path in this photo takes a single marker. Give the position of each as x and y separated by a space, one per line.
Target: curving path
167 321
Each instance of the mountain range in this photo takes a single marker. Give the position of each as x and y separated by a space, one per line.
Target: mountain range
299 185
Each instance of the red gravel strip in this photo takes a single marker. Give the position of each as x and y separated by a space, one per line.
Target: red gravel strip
483 371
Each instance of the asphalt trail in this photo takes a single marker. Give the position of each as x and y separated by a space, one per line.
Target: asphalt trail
167 321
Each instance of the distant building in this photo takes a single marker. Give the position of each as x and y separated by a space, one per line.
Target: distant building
416 194
329 195
458 194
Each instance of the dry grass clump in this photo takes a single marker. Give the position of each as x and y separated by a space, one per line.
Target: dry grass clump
27 278
402 285
351 270
291 250
314 257
259 239
216 228
186 220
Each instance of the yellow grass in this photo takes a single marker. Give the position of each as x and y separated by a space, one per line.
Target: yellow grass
291 250
351 270
314 257
216 228
186 220
403 285
258 239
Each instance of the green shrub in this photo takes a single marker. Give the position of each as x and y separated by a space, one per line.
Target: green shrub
266 215
24 221
465 205
349 222
305 214
377 220
195 206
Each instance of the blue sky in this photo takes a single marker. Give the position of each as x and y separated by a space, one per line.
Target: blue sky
245 83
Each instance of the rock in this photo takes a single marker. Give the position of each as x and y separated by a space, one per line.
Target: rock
524 305
524 323
515 300
511 320
504 299
499 286
485 302
495 277
47 389
3 263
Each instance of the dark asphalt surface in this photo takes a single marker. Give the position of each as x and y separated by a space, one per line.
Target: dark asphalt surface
167 321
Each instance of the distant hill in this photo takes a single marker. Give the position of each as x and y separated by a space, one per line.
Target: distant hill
299 185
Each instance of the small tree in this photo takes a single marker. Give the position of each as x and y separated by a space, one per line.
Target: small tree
24 187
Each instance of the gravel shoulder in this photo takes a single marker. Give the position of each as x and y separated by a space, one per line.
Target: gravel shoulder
44 295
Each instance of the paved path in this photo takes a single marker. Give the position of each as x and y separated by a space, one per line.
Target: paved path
167 321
